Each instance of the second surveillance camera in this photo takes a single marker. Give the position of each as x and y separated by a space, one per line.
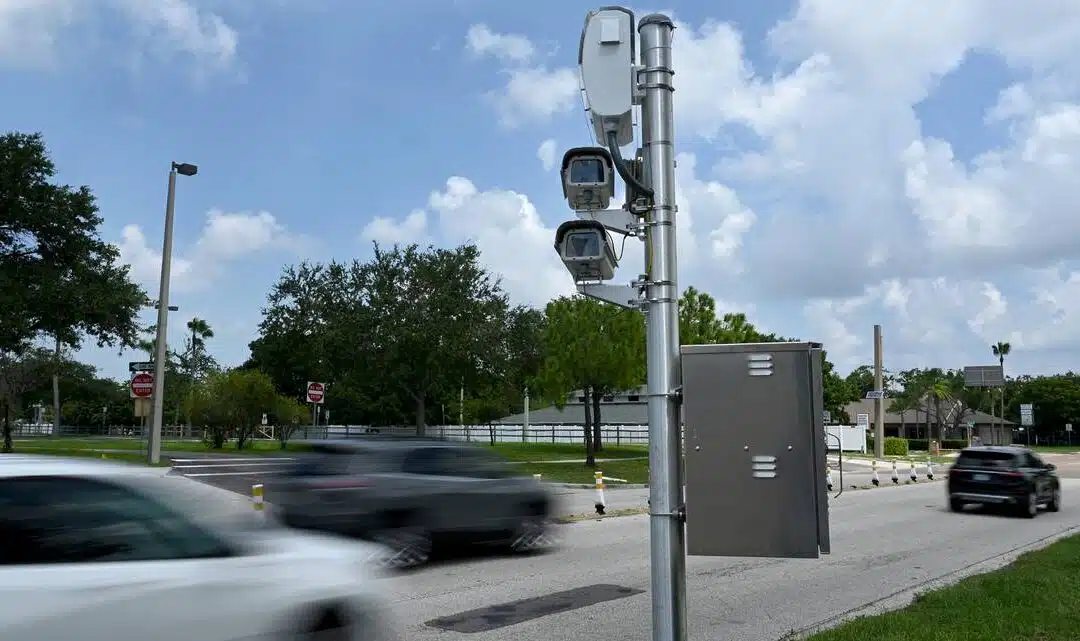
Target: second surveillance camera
588 178
585 248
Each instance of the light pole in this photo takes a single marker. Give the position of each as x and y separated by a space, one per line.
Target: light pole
154 446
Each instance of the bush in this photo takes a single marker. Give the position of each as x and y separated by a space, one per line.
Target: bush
918 445
953 444
895 446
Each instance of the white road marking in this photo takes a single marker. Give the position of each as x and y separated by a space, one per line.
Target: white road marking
191 467
224 460
202 474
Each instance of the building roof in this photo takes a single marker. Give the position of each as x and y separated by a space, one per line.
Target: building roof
612 413
866 406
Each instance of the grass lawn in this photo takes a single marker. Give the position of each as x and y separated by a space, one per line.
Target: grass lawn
121 457
634 471
565 451
919 457
45 445
1059 449
1035 599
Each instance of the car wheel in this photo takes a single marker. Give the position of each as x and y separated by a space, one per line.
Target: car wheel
531 534
406 547
1029 508
956 505
330 627
1055 501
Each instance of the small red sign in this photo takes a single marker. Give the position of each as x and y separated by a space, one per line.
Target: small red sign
142 385
316 392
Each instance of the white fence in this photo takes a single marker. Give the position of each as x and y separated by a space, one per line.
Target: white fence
612 434
852 438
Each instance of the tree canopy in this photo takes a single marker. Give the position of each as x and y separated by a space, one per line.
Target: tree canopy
57 276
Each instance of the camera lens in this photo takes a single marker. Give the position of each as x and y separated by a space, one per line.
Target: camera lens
586 170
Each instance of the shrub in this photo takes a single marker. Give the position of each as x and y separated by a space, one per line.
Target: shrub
918 444
954 444
895 446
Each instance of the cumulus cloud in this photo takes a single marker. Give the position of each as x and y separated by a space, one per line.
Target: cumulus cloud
226 238
33 32
532 92
546 154
828 193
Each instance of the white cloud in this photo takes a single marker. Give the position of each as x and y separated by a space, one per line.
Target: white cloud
546 154
225 238
832 196
480 40
32 32
533 92
504 224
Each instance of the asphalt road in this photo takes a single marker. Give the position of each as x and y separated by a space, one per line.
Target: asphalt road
887 543
239 473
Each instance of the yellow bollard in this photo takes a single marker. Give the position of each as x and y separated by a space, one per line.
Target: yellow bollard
257 497
601 504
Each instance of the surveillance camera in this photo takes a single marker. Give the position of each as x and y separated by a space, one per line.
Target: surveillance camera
588 177
585 248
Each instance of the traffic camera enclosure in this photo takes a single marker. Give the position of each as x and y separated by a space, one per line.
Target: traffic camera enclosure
588 178
755 450
585 248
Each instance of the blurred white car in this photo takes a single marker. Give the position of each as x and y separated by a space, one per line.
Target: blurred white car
95 551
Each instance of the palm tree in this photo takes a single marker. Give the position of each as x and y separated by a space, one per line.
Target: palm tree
1001 350
200 333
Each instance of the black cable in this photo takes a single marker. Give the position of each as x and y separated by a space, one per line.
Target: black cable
620 166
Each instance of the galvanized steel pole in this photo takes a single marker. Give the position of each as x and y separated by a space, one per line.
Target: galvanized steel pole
667 538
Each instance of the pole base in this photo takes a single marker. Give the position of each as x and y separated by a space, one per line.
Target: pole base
599 508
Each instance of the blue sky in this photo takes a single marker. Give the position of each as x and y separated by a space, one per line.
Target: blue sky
844 164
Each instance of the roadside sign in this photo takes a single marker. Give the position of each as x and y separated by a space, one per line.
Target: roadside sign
142 385
983 376
1027 414
316 392
827 415
875 394
862 419
1068 427
264 421
140 366
970 424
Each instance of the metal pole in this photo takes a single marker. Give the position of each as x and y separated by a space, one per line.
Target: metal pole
879 403
525 424
667 535
160 349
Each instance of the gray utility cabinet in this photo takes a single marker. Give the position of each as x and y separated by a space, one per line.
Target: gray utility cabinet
755 450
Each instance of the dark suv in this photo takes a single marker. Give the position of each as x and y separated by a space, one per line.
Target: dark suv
409 494
1010 476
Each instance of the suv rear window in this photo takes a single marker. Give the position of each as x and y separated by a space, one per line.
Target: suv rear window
340 461
989 458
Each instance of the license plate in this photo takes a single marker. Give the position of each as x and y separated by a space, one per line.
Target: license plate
982 477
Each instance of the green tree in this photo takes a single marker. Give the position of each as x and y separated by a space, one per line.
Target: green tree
231 404
57 276
594 347
20 370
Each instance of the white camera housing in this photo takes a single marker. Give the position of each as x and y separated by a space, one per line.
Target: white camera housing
588 178
585 248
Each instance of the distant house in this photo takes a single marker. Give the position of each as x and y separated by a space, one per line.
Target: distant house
621 408
912 424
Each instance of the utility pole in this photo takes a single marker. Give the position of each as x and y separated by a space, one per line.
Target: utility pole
616 77
879 400
160 348
667 534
